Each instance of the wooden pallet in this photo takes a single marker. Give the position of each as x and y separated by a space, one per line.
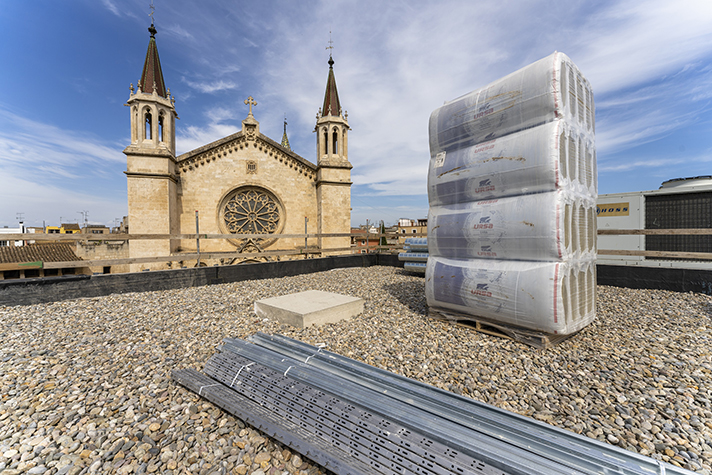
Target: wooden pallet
529 337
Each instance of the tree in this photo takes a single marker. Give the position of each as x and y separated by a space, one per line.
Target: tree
383 241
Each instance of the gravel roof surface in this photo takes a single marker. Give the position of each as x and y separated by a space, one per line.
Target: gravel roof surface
85 384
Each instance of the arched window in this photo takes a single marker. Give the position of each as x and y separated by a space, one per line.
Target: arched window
148 129
326 142
160 126
335 140
134 124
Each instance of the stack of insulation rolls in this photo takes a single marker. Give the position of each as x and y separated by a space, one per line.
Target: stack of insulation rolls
512 188
415 257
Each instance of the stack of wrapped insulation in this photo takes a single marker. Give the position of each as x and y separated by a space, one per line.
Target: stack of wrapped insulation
512 187
415 257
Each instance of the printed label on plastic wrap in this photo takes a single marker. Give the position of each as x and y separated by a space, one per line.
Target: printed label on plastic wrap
544 296
545 158
542 227
520 163
548 89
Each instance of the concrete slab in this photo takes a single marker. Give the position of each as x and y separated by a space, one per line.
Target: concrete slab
312 307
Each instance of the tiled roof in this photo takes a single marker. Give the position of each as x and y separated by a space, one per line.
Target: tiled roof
152 73
50 252
331 98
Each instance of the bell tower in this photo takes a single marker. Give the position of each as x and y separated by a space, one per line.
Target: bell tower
333 167
150 161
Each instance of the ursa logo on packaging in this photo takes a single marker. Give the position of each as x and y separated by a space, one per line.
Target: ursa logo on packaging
486 251
481 289
483 111
484 223
485 185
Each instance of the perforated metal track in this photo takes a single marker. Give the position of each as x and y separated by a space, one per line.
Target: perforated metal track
262 418
384 445
353 419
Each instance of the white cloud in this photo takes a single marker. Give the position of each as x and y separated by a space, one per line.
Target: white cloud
178 31
211 87
50 200
28 143
632 42
111 6
192 137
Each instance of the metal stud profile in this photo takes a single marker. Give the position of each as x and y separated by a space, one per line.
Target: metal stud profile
352 418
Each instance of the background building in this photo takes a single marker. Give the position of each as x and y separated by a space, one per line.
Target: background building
411 228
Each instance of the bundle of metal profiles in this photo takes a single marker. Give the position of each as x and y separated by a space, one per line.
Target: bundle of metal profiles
353 418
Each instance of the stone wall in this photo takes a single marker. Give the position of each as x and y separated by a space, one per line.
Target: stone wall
208 179
93 250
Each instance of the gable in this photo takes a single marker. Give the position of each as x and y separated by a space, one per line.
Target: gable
219 149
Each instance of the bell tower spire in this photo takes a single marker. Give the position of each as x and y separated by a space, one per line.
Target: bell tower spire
150 159
153 111
332 124
333 168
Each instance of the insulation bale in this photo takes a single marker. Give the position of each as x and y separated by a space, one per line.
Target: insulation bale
550 297
413 256
545 158
418 267
549 89
419 244
554 226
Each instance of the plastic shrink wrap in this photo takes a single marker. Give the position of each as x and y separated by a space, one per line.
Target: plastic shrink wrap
550 297
550 226
551 88
416 244
544 158
413 257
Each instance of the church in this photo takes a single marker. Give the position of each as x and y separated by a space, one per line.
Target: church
245 183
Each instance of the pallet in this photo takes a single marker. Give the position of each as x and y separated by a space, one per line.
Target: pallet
532 338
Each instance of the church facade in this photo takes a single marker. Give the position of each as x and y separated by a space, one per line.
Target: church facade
245 183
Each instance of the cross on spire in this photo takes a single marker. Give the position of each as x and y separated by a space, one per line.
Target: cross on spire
251 102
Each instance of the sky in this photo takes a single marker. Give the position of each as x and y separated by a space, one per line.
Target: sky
66 67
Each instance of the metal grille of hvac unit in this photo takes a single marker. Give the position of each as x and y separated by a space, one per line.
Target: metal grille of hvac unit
678 211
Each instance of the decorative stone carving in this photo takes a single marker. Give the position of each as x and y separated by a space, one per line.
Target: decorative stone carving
251 210
250 131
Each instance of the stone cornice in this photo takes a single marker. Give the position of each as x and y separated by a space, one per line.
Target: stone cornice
337 165
329 182
173 178
149 152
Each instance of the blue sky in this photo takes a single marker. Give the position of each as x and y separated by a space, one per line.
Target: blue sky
66 69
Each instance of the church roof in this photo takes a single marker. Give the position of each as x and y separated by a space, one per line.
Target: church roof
152 73
332 106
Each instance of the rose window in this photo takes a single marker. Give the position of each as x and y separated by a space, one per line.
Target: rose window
251 211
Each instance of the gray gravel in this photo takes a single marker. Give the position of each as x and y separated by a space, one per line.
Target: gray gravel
85 384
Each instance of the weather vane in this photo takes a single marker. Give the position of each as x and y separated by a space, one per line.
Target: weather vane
153 10
331 44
